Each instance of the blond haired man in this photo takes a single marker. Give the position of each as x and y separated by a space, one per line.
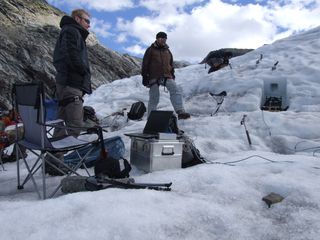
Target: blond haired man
70 59
73 78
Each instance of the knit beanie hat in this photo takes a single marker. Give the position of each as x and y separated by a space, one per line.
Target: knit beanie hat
161 35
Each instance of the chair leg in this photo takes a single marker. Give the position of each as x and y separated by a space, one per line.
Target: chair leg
43 166
18 167
33 170
81 162
86 169
43 161
30 175
74 171
1 152
59 162
30 171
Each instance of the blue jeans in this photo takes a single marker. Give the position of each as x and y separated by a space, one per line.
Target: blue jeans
175 96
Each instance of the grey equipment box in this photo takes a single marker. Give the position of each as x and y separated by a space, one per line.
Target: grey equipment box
274 94
153 155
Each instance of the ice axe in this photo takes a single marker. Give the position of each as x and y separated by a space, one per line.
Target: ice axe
107 165
243 122
99 165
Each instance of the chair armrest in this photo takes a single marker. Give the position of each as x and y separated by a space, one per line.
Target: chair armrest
57 124
57 121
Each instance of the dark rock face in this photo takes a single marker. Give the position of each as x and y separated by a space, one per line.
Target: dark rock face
29 29
219 53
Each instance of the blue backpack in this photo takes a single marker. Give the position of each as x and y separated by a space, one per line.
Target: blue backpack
113 145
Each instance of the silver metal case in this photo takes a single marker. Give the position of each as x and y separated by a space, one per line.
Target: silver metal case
153 155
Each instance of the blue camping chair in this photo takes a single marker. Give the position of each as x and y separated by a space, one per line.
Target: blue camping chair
29 103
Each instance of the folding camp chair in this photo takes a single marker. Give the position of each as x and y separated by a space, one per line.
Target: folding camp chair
219 98
29 103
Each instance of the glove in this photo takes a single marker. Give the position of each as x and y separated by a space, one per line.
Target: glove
145 80
172 73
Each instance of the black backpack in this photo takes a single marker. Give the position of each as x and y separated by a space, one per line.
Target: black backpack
112 168
137 111
173 125
190 155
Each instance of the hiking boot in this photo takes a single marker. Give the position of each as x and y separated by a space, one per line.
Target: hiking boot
183 115
6 158
51 170
12 158
54 172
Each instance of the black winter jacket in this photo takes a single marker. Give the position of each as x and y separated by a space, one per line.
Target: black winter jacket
70 56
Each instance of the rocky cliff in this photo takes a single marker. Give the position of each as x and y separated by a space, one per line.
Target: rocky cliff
29 29
216 53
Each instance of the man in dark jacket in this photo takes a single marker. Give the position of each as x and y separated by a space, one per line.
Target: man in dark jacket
73 78
157 69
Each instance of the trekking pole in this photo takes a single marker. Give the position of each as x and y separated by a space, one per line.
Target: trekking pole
274 66
245 128
258 61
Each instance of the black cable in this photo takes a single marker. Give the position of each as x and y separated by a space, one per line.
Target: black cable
315 140
241 160
266 123
295 147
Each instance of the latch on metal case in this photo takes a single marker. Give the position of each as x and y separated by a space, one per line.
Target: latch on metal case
167 150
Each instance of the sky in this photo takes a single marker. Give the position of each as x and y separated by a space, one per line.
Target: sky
220 200
195 27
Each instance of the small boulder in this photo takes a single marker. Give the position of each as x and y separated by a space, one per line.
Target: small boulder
272 198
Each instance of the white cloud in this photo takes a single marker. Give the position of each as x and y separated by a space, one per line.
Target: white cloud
296 15
99 5
100 27
136 49
196 27
167 6
121 38
217 24
110 5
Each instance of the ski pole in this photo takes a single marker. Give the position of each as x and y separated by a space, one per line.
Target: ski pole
245 128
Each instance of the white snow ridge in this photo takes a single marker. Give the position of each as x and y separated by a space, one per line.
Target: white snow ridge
212 201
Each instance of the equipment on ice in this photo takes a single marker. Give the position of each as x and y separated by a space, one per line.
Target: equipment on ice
243 122
219 98
274 94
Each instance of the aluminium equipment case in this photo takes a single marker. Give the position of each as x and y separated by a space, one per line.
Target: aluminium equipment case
153 154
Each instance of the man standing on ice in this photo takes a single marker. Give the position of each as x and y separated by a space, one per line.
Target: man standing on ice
157 69
73 78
